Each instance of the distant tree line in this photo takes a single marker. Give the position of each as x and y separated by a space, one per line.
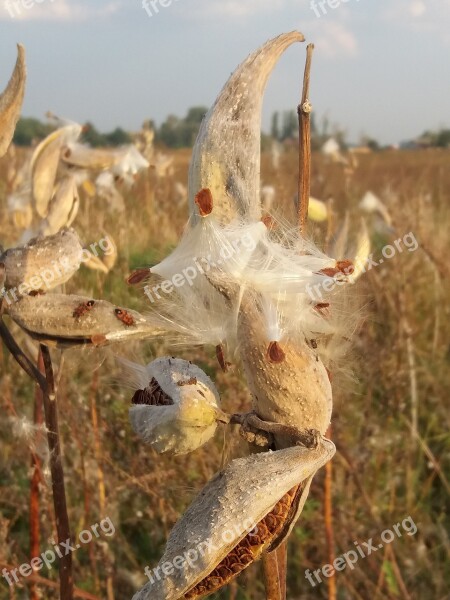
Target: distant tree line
436 139
30 131
176 132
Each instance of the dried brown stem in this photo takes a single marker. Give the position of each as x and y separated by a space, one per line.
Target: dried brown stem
57 473
21 358
282 551
77 593
329 532
36 466
100 474
304 153
271 576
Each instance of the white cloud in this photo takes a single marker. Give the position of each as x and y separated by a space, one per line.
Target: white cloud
54 10
419 16
417 8
232 9
331 38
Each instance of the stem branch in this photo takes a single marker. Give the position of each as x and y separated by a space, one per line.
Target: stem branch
57 473
304 151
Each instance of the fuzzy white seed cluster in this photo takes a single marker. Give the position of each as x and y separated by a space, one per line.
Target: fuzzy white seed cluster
272 263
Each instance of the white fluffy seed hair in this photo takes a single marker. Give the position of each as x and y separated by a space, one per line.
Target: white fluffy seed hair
282 271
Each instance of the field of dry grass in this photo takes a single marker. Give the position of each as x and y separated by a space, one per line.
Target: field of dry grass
398 374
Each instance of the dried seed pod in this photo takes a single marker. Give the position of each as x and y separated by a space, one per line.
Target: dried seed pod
11 101
216 536
95 263
294 391
43 263
63 207
110 259
85 157
55 320
177 407
44 165
226 155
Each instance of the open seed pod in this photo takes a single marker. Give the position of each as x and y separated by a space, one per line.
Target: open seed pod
177 406
66 320
226 155
44 165
63 207
294 390
11 101
245 510
43 263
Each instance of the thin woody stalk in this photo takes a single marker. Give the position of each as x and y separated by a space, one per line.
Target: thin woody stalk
36 466
304 130
275 565
271 576
57 473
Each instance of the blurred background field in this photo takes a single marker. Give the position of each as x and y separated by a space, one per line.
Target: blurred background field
398 373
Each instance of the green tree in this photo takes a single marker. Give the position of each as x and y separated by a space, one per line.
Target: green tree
289 127
275 127
118 137
29 131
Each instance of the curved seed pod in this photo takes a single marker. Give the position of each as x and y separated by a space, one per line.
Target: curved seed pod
288 381
85 157
94 262
110 259
293 391
177 407
63 207
68 320
43 263
204 547
362 252
11 101
44 165
226 155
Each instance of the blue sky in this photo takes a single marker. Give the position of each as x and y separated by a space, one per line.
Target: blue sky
381 67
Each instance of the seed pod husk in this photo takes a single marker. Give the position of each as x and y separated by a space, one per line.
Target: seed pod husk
43 263
63 207
11 101
228 507
226 155
44 165
177 408
67 320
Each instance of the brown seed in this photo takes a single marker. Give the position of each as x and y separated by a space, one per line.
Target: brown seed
204 201
275 353
137 276
345 266
153 395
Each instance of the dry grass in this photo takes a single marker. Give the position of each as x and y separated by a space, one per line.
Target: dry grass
381 473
